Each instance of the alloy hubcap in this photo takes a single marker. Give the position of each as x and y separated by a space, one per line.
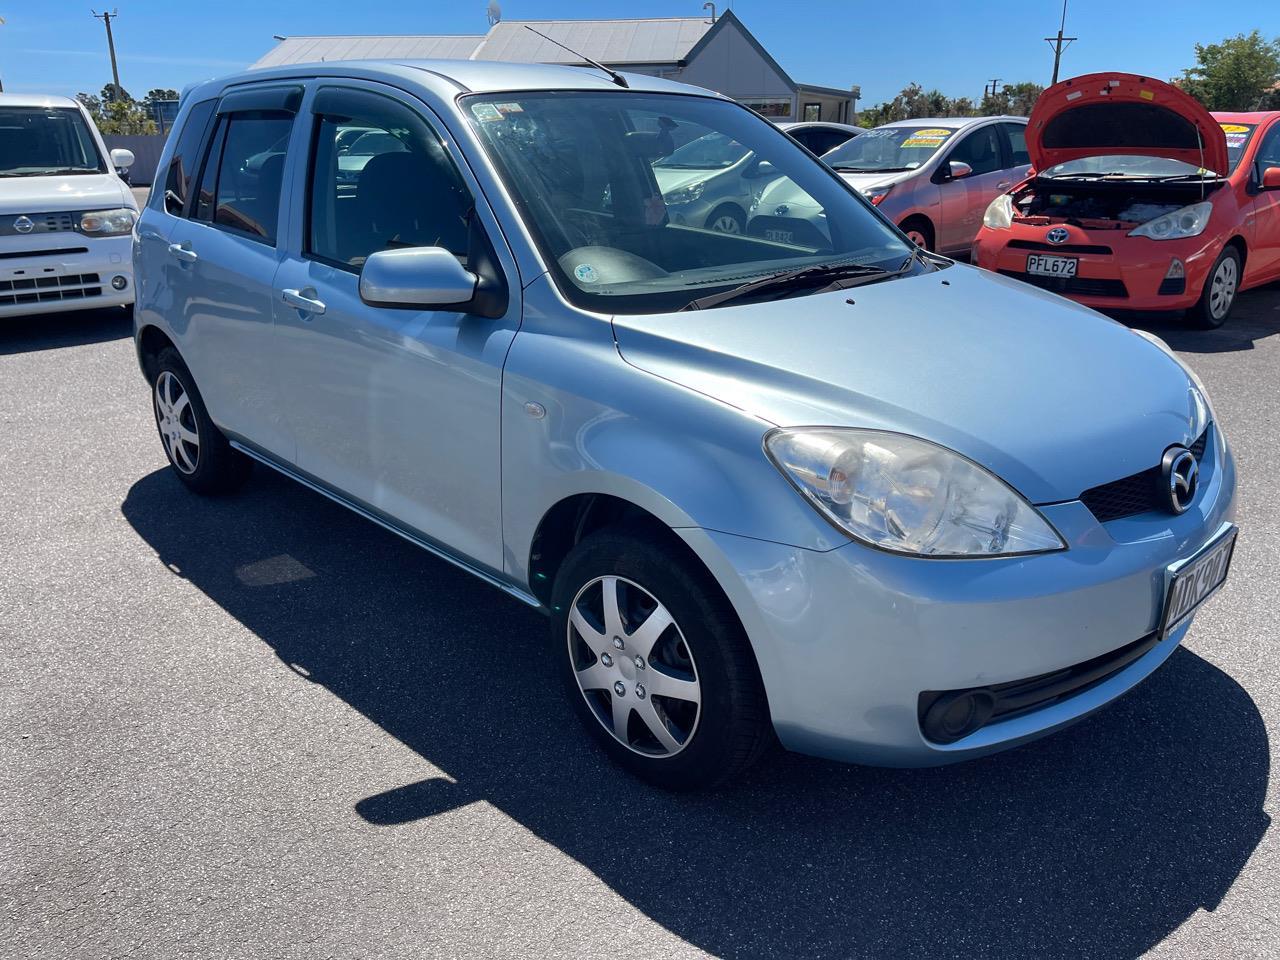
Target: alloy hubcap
649 700
1223 291
726 224
916 237
177 422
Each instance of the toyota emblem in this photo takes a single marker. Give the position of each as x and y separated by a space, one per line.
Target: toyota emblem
24 224
1180 474
1057 235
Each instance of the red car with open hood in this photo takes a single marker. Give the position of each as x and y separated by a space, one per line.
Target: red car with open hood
1140 199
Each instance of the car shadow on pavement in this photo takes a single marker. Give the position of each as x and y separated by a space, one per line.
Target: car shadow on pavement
1096 842
48 331
1255 317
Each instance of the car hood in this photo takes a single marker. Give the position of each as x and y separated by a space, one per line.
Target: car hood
1102 114
670 179
865 181
1047 394
84 191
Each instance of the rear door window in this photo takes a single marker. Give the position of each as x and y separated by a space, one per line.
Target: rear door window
1017 133
243 174
980 150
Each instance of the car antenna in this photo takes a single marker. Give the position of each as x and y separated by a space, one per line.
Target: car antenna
614 75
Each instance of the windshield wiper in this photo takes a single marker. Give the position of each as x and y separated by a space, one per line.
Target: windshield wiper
844 275
50 172
850 169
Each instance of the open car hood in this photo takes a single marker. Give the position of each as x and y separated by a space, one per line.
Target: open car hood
1120 113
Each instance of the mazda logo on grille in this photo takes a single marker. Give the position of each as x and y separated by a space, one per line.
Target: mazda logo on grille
1057 235
1180 474
24 224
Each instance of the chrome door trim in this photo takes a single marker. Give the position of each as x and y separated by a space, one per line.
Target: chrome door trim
414 538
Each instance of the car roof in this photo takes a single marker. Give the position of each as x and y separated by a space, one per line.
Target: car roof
821 124
35 100
950 123
464 76
1236 116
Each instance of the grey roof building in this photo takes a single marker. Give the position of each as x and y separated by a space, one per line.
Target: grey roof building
721 55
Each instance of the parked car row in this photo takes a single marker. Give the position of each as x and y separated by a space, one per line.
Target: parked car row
772 471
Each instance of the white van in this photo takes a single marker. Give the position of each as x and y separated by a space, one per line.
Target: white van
65 214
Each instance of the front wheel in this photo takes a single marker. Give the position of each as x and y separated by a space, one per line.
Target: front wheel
1219 293
919 231
655 662
727 218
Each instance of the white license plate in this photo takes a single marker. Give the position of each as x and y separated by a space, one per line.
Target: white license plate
1193 581
779 236
1045 266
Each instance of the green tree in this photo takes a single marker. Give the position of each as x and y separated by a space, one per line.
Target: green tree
1016 99
92 104
1234 74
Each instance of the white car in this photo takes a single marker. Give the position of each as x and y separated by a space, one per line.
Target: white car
65 214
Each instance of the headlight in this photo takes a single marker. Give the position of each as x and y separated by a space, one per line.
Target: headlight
1187 222
908 495
685 194
876 194
107 223
999 215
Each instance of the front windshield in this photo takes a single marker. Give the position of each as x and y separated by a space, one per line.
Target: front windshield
1154 168
888 149
39 141
630 227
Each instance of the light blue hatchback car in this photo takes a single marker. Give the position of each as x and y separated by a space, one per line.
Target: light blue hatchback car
835 490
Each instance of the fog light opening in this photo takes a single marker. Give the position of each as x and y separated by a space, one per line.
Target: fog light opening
955 715
118 282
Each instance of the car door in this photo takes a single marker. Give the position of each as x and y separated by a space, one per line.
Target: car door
1017 157
965 199
395 408
1264 254
226 255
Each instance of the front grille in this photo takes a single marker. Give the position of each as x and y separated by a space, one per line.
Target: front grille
1006 700
72 286
1059 247
59 222
1136 493
52 252
1080 286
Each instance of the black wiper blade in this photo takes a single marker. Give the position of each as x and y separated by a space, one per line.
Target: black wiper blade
785 279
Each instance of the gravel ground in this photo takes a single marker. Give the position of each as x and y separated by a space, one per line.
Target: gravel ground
262 727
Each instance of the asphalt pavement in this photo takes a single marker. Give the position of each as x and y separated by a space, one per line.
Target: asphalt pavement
262 727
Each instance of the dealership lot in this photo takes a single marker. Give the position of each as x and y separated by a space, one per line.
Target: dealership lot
261 726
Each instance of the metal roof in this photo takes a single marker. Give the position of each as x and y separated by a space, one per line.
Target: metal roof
35 100
315 49
609 41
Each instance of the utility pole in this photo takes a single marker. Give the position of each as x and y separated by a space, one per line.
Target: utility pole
111 46
1060 43
992 88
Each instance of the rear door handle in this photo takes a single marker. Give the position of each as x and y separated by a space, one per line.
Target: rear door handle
295 298
185 254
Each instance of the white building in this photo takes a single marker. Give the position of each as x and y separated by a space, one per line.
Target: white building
721 55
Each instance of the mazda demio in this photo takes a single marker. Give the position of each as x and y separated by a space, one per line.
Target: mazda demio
843 494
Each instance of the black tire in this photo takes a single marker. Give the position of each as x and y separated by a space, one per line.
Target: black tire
1210 311
728 212
732 729
211 466
922 229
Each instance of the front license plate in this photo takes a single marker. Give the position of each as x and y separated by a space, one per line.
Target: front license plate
779 236
1045 266
1195 580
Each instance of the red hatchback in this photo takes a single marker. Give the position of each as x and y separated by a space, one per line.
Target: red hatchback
1140 199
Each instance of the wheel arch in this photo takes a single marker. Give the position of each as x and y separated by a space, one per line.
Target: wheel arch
1242 248
150 340
923 220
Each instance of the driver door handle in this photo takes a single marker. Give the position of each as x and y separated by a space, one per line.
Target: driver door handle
183 253
295 298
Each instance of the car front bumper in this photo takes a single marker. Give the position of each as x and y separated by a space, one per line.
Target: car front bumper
1115 271
52 272
848 639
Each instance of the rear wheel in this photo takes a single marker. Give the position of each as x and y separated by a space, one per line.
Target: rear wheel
1219 293
919 231
198 452
655 662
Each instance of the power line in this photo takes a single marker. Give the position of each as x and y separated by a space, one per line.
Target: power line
1060 43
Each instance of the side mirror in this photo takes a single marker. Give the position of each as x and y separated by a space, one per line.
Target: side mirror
763 170
422 277
122 159
958 170
416 277
1271 178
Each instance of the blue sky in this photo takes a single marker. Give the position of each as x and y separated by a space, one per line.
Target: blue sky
56 46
